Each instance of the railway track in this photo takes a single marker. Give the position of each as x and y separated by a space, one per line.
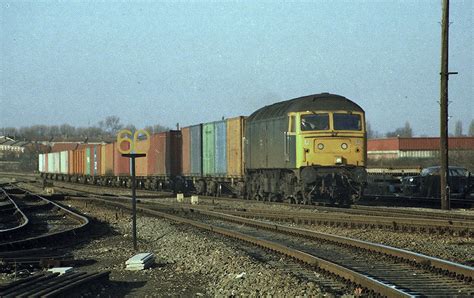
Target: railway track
47 284
367 202
426 268
44 221
462 228
356 209
366 217
376 268
407 201
12 218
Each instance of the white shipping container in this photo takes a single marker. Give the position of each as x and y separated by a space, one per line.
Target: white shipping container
41 163
50 167
64 162
57 162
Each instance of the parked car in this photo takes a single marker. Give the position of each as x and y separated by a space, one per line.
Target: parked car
427 184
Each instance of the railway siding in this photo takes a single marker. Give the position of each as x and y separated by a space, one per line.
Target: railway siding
51 220
19 219
450 269
422 264
395 223
463 272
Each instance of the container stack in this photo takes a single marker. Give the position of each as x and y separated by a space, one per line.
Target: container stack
140 261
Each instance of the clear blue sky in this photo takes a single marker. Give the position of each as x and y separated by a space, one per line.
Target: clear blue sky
192 62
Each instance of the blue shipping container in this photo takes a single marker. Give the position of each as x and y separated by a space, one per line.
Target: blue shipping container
220 128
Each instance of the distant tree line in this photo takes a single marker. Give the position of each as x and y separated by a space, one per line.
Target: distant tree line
104 129
458 131
402 132
109 127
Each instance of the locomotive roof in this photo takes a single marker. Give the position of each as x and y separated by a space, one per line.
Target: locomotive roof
315 102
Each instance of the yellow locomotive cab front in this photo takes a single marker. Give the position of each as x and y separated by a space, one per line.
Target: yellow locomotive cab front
330 138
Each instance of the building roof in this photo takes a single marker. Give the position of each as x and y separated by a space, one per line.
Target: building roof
429 143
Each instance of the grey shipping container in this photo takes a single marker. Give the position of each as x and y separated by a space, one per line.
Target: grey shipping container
196 150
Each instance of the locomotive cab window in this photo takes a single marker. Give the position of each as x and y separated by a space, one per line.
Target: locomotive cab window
347 121
292 125
314 122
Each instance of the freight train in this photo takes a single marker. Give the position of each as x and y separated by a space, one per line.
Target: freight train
303 150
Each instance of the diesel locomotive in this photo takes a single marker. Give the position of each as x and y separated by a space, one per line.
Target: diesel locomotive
304 150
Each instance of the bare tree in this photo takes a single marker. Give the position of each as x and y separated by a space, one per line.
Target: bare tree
371 134
458 128
112 124
67 130
471 129
130 127
403 132
10 131
54 131
159 128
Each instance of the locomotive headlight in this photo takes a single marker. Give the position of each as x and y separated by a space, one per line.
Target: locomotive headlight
344 146
320 146
338 160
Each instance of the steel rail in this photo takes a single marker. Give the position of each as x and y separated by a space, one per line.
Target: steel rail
82 220
355 209
20 215
426 213
47 284
75 215
423 223
348 274
432 225
461 271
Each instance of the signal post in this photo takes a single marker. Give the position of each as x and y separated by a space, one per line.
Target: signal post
125 136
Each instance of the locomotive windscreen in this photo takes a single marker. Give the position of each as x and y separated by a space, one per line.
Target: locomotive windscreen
347 122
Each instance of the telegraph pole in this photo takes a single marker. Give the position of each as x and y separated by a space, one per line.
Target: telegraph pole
444 170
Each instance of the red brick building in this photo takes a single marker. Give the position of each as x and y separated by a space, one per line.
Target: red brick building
414 147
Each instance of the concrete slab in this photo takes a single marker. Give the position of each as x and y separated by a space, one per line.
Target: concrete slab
61 270
140 258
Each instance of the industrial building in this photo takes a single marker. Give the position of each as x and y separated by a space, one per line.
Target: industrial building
423 147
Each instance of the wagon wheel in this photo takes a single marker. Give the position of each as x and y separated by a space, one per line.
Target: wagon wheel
275 197
298 198
290 199
257 197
